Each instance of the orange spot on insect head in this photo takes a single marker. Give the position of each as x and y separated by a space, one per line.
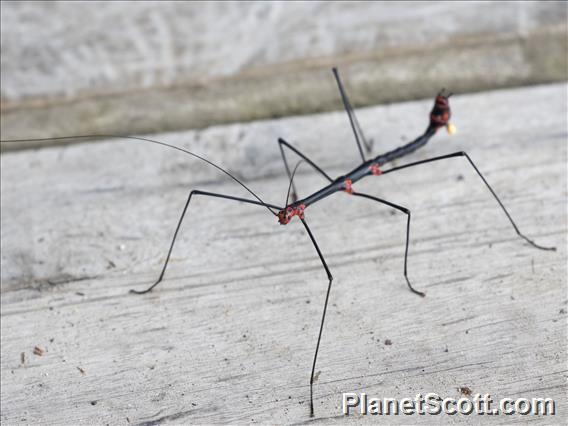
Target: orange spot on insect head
375 170
348 186
285 215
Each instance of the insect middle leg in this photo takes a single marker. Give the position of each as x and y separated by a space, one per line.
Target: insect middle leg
355 126
463 154
191 194
281 144
407 213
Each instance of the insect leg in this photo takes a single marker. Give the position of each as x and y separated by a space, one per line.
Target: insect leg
355 126
282 143
330 278
191 194
407 213
463 154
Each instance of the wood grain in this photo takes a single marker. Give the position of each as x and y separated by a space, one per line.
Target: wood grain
230 334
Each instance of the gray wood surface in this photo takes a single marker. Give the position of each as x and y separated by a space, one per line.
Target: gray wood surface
71 50
229 335
130 67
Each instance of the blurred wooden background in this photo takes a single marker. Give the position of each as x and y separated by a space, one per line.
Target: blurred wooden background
100 67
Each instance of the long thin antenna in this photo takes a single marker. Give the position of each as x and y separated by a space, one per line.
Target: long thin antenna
292 180
109 136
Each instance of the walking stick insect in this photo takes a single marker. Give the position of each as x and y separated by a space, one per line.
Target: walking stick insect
439 118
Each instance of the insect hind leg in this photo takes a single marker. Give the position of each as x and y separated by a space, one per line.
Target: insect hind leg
330 278
191 194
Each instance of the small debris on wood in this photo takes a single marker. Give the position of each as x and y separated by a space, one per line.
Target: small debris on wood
39 351
93 402
82 370
464 390
562 311
388 342
316 376
22 358
111 264
459 178
79 293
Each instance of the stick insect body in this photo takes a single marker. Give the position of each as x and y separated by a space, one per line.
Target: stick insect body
439 117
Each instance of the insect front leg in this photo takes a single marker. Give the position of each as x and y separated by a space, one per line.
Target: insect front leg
463 154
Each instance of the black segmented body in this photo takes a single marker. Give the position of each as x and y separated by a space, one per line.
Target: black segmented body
364 169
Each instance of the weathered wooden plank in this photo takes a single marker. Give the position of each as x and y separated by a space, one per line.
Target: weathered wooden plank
80 68
230 334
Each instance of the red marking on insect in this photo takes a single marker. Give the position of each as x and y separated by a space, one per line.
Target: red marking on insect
440 115
285 215
348 186
375 170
